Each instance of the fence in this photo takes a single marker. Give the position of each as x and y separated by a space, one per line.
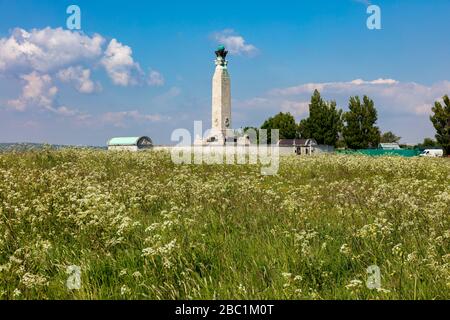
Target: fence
381 152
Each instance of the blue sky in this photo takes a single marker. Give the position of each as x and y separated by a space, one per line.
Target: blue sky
145 67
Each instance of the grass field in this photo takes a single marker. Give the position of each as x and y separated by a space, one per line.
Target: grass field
140 227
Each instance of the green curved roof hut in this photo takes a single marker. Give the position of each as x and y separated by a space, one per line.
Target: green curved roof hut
130 143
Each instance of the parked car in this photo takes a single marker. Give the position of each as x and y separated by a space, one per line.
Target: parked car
432 153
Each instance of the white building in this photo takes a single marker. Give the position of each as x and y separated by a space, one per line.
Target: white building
389 146
302 147
130 143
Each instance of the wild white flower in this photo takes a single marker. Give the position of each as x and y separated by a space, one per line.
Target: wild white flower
381 290
345 249
46 245
298 278
15 260
148 252
412 257
123 272
242 288
354 284
17 293
32 280
397 250
124 290
5 267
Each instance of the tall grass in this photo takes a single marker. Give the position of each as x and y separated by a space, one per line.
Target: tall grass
140 227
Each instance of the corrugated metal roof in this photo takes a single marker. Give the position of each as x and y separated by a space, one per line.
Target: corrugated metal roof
124 141
296 142
390 146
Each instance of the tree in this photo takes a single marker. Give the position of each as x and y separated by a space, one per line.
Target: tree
247 129
360 131
324 122
428 143
441 122
389 137
284 122
253 134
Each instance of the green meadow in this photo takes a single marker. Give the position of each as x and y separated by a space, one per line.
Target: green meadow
140 227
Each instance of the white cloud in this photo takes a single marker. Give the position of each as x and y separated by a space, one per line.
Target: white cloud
252 109
171 93
46 50
297 109
390 96
50 50
67 112
256 102
234 43
336 86
120 119
378 81
39 56
38 89
119 64
155 79
167 97
80 77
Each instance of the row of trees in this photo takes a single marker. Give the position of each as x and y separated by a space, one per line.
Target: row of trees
441 122
331 126
356 128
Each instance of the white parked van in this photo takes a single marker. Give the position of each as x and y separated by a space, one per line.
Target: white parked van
432 153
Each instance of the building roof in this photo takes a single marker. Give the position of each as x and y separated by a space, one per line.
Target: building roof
296 142
389 146
127 141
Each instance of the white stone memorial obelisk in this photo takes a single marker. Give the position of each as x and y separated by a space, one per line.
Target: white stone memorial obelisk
221 98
